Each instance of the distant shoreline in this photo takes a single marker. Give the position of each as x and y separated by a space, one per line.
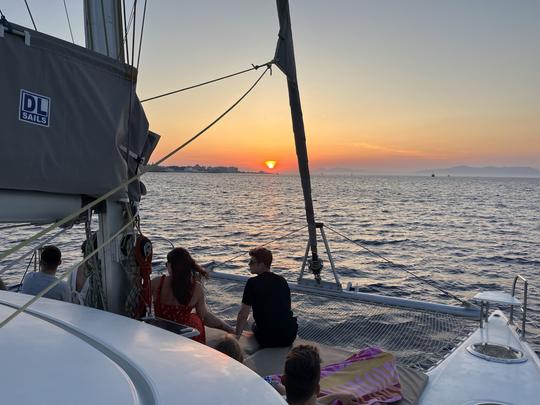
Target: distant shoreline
200 169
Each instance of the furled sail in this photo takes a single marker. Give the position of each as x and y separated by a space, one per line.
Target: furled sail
69 116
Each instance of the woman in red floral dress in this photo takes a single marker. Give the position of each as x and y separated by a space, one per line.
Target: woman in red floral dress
180 291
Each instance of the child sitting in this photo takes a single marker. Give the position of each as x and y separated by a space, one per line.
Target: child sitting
229 345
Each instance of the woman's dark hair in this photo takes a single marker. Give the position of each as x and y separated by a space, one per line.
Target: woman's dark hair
184 272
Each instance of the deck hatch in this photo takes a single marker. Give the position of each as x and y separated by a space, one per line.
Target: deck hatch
497 353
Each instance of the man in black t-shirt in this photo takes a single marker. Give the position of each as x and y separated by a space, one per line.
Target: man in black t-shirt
269 296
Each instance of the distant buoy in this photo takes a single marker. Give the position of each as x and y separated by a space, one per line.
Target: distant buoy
432 174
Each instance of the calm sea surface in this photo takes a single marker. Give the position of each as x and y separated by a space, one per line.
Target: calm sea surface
465 234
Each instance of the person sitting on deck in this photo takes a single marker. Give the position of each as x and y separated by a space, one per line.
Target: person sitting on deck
175 295
80 281
301 379
270 297
36 282
229 345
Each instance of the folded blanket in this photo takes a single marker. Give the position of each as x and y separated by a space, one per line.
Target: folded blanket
370 374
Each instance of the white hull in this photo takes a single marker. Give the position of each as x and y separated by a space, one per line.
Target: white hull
465 379
60 353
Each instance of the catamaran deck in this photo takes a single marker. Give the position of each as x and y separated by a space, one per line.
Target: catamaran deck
418 338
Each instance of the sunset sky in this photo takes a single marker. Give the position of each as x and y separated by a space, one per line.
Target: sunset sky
385 85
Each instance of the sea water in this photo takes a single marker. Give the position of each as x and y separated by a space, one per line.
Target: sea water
463 234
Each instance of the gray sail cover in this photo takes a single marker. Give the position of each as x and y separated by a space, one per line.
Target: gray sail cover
65 113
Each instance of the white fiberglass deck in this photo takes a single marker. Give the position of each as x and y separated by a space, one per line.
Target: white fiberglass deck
64 353
465 379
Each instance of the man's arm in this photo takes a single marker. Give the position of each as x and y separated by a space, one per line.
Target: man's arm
242 318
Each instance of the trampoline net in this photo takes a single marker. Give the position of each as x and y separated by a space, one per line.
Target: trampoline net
418 338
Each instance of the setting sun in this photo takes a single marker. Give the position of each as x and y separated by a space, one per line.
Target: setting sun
270 164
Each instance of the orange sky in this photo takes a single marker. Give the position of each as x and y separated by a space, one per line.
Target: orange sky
384 85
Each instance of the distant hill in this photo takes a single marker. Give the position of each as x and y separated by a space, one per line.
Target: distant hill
488 171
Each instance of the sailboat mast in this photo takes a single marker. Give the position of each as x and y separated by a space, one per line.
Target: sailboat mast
284 59
103 32
103 27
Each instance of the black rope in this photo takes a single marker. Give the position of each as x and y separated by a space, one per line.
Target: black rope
29 12
141 37
401 266
28 266
213 122
69 23
254 67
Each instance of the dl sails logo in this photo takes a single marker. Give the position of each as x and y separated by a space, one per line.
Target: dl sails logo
34 108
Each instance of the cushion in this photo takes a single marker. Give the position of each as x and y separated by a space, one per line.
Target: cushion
413 383
271 360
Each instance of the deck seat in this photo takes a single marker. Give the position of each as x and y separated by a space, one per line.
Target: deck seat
271 360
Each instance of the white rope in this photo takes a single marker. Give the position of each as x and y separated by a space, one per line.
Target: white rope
63 276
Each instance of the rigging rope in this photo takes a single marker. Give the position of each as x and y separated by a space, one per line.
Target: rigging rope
63 276
29 12
28 266
121 186
263 245
212 123
14 226
105 28
403 267
95 295
18 260
69 23
254 67
126 30
133 31
141 36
